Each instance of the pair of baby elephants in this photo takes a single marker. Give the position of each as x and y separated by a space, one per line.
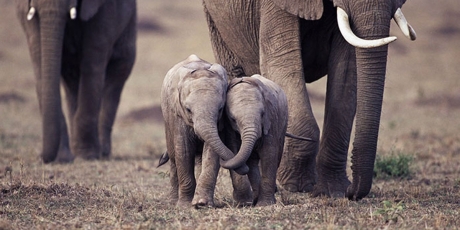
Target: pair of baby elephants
207 115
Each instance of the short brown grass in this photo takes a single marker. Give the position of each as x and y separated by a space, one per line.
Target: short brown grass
129 192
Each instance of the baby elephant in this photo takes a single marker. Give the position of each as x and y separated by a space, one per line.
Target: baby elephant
256 122
193 97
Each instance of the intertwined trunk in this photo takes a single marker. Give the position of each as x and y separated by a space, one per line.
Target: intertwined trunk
208 132
248 139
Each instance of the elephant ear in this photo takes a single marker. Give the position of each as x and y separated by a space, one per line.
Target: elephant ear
89 8
306 9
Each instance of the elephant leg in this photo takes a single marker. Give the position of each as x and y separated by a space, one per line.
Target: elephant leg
185 152
204 192
85 139
117 73
173 179
340 110
269 160
254 178
281 62
228 51
242 192
64 154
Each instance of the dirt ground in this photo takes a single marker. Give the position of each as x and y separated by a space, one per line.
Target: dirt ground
420 118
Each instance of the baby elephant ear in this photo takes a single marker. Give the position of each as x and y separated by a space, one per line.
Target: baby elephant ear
89 8
306 9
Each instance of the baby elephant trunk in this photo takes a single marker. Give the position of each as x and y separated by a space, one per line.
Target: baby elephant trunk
211 137
248 141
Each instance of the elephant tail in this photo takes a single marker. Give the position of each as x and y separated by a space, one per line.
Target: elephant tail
299 137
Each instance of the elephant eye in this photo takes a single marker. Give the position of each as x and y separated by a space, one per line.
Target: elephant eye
188 110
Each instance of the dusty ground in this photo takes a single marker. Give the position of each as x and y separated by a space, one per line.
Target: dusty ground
420 118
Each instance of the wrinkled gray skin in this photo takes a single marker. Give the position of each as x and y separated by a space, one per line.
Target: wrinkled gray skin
299 43
256 122
93 54
192 101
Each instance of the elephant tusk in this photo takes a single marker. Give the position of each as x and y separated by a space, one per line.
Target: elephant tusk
31 13
350 37
405 27
73 13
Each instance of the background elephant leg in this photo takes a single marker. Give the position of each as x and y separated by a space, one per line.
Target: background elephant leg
204 192
85 139
117 73
64 153
281 62
340 110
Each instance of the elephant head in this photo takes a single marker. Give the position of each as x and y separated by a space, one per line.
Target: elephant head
365 24
44 24
252 108
199 100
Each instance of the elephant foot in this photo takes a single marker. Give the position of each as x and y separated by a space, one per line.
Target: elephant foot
200 202
297 175
106 149
266 201
88 153
181 204
243 198
65 156
331 187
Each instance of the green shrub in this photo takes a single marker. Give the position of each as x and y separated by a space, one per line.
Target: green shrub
393 166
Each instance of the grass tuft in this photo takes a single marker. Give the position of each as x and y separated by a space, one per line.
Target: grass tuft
396 165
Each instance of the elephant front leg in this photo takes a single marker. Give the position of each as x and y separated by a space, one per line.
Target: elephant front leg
85 138
117 73
281 62
204 193
242 192
340 110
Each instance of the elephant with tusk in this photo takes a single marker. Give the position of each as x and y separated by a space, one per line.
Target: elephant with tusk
294 42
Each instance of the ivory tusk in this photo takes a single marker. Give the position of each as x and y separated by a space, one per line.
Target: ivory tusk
73 13
31 13
405 27
350 37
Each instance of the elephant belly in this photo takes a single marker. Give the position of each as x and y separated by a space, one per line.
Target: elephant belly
71 50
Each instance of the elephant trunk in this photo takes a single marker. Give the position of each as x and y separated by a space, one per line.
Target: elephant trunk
52 24
248 140
208 132
371 70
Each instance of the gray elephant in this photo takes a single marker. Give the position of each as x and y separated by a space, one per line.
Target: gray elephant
193 97
298 42
257 116
91 44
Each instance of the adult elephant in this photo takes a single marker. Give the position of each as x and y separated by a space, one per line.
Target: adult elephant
297 42
91 45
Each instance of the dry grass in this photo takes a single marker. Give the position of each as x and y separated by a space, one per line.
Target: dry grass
420 118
